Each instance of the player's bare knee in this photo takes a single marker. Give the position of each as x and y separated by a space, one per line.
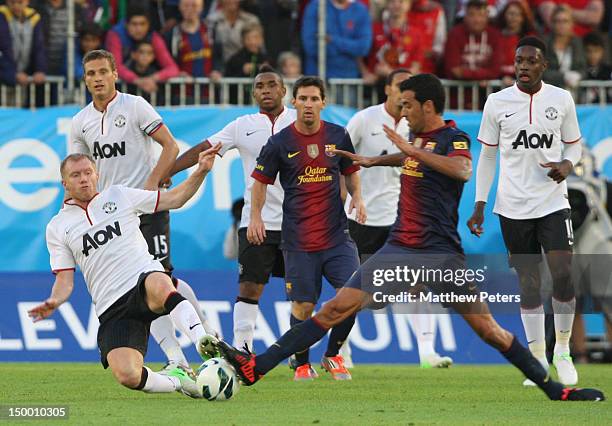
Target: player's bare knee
128 376
250 290
158 287
302 310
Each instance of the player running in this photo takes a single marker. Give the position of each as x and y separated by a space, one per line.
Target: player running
435 167
118 131
248 134
100 232
380 189
315 238
535 129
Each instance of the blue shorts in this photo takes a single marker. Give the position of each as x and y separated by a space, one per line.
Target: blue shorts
304 271
396 269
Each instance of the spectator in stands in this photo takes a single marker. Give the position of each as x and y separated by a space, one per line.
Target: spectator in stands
429 16
596 67
191 43
349 37
396 44
23 30
121 39
290 65
515 22
280 15
564 52
586 14
54 14
90 38
246 62
472 48
227 25
493 7
142 59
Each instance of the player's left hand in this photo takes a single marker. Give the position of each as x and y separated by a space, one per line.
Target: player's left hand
43 310
401 143
206 159
360 210
559 171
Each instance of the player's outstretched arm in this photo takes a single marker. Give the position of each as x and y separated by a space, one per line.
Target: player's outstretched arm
62 289
189 158
177 197
391 160
166 159
256 232
485 173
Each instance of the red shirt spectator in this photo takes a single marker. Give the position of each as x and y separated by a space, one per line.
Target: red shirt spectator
396 44
587 14
121 39
472 48
430 18
515 21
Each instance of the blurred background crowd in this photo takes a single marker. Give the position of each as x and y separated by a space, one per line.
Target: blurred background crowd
156 40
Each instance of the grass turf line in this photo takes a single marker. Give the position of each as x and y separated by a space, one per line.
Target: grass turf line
378 394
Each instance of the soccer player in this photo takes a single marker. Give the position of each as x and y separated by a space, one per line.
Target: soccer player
248 134
435 167
315 237
534 126
380 189
100 232
118 131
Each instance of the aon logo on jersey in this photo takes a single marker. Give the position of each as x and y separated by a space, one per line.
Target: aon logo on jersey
532 141
100 238
108 150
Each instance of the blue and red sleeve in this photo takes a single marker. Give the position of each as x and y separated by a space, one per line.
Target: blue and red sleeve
459 145
268 163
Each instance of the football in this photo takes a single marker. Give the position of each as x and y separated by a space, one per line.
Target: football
217 380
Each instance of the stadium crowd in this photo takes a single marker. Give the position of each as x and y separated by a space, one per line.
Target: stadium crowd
154 40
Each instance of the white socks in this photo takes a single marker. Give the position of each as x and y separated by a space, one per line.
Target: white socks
422 323
158 383
533 323
564 320
186 291
187 320
162 330
245 317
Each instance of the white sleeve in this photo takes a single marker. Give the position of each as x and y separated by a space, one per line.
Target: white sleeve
60 256
485 172
572 152
143 201
77 143
354 130
489 127
228 136
570 131
149 121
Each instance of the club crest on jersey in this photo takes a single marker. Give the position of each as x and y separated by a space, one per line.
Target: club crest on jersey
551 113
119 121
109 207
313 150
329 149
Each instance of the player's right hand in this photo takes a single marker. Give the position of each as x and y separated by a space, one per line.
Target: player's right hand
475 222
256 232
43 310
358 160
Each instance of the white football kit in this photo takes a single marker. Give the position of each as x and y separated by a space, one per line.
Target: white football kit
105 241
248 134
118 139
530 130
380 186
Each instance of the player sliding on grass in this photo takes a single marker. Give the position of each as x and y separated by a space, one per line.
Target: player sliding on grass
100 233
435 167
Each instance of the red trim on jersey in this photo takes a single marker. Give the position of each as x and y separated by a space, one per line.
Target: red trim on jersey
85 208
531 97
262 178
447 124
350 169
157 202
530 105
304 134
156 129
273 118
487 144
104 112
56 271
569 143
463 153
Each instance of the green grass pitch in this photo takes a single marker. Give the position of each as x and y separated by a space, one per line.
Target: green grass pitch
378 395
